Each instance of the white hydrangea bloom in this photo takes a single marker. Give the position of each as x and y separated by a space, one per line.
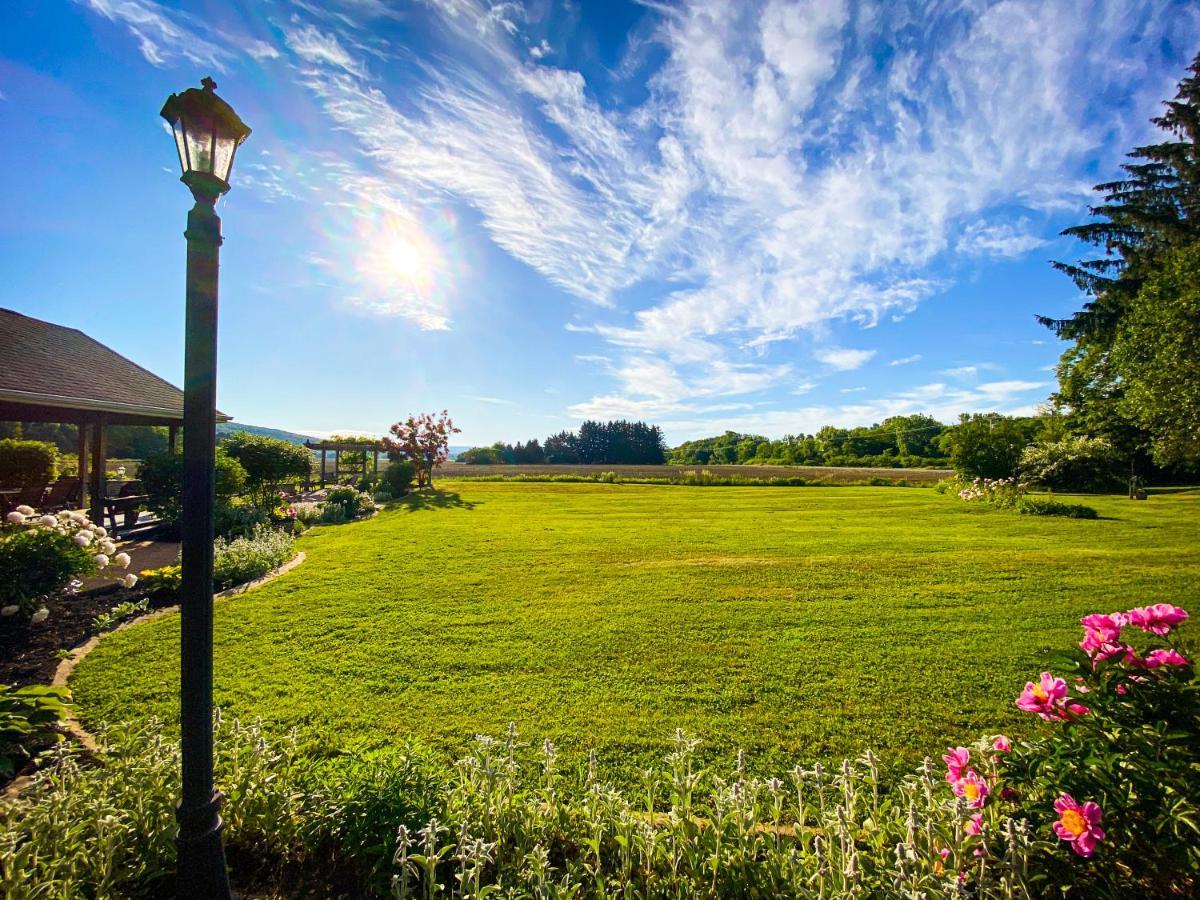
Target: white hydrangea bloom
16 517
121 560
129 580
26 510
101 561
99 530
9 610
48 521
83 539
108 547
40 616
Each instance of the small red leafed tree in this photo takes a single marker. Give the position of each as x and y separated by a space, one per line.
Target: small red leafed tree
425 439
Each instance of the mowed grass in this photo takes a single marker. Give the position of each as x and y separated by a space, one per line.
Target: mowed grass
796 623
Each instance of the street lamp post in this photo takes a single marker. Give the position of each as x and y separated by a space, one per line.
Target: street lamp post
207 134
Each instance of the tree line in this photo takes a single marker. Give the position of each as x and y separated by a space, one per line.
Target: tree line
616 442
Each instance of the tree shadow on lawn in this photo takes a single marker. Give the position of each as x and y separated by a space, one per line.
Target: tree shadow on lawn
435 499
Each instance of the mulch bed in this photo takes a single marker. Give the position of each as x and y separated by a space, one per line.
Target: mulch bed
29 654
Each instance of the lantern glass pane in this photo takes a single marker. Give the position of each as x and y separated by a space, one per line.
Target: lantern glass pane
223 156
180 145
200 149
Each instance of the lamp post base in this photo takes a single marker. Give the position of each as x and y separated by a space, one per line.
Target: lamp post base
201 873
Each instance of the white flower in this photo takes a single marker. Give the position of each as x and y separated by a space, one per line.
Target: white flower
65 515
79 518
26 510
121 560
99 530
83 539
40 616
9 610
48 521
101 561
17 518
129 580
107 546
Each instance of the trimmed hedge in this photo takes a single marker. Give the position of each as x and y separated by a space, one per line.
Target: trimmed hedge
26 462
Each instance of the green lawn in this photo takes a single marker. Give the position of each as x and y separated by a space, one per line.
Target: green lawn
796 623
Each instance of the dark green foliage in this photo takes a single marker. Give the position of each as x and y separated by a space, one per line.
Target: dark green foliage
28 715
398 477
1157 353
603 443
988 445
345 503
1048 506
1143 216
1137 754
268 462
26 462
162 479
897 442
238 518
35 562
1072 464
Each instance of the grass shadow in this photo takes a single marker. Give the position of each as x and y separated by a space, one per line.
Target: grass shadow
434 499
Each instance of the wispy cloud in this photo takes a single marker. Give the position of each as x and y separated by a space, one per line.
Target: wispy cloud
164 36
844 360
906 360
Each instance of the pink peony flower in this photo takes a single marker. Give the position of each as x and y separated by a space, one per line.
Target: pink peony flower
1157 619
1044 697
1078 825
1106 626
973 789
956 761
1156 658
974 824
1002 744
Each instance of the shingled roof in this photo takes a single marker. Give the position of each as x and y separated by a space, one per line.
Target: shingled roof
50 367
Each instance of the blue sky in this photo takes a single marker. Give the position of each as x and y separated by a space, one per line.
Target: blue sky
764 217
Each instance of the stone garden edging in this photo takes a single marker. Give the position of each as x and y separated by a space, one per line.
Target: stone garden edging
66 668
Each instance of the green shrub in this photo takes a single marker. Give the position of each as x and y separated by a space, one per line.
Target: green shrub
383 497
398 477
268 462
28 715
242 559
162 479
26 462
345 503
238 519
987 445
36 562
1072 464
307 512
1048 506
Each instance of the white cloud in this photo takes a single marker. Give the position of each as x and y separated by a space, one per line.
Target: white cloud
844 360
906 360
164 36
496 401
961 372
1005 240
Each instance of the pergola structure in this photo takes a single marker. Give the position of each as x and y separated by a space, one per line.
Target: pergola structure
51 373
339 447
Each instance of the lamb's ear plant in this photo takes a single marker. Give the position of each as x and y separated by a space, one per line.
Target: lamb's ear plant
28 715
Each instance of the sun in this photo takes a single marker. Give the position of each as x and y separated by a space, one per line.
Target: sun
403 259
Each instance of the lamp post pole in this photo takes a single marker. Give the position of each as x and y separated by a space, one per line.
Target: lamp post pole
207 134
201 865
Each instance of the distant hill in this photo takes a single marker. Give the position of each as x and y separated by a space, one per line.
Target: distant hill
224 428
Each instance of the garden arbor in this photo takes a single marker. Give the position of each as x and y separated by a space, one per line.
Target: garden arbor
338 447
56 374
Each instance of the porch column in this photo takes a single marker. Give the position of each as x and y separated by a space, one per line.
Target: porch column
99 453
172 437
322 467
81 434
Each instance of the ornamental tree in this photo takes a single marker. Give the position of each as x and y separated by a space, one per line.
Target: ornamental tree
424 439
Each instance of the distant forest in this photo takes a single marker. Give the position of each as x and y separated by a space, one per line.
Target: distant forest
898 442
616 443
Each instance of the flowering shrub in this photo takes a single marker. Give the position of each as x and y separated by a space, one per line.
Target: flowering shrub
41 554
1004 493
1116 777
345 503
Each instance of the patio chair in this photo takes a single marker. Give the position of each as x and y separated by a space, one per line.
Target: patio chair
63 495
128 502
30 495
